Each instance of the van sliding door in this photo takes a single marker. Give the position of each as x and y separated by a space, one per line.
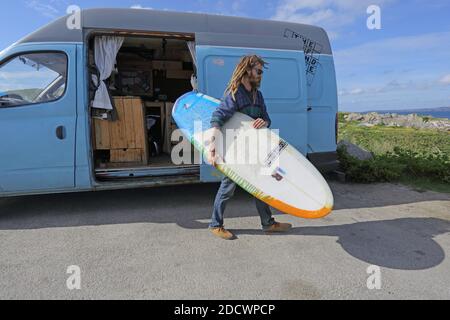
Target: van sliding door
283 85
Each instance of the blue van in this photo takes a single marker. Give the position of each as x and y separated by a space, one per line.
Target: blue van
62 82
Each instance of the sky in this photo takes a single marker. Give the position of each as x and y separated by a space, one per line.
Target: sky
403 65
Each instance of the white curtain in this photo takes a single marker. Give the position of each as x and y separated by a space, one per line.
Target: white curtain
191 45
106 49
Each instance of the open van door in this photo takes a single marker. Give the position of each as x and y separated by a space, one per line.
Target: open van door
283 86
37 118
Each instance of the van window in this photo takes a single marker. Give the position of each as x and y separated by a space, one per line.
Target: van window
280 82
33 78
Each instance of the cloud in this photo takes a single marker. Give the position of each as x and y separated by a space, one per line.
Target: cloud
138 6
391 86
230 8
364 83
395 94
422 56
330 14
445 79
397 45
234 8
51 9
355 91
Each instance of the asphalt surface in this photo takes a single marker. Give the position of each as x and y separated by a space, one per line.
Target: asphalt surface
154 244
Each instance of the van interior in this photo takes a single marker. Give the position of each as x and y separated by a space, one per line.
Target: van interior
151 72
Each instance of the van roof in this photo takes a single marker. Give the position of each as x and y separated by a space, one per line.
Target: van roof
205 26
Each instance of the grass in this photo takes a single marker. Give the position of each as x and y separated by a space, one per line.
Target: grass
382 139
419 158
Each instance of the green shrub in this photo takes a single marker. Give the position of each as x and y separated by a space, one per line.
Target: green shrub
378 169
400 154
393 165
341 116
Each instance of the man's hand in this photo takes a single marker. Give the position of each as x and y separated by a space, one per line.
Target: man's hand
259 123
212 159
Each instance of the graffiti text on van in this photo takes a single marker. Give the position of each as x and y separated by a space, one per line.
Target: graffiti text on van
312 50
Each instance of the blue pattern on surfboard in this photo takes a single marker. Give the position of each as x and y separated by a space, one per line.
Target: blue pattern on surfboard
192 107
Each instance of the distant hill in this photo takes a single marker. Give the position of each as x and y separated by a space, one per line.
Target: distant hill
404 111
442 112
27 94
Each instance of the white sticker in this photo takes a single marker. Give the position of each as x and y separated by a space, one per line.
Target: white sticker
219 62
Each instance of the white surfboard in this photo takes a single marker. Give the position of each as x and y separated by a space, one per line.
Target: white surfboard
273 171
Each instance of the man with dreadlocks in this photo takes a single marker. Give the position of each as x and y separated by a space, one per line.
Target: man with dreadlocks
241 95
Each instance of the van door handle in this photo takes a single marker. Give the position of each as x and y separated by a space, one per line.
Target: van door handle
61 132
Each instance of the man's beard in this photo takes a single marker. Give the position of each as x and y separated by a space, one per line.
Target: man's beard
255 83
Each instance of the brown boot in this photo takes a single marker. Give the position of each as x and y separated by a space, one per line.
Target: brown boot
223 233
278 227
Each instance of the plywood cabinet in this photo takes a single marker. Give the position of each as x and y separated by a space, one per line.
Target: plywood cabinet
126 138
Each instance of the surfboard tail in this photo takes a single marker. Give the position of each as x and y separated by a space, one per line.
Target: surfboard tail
276 203
306 214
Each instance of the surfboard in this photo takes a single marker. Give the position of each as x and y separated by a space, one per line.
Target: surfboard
278 174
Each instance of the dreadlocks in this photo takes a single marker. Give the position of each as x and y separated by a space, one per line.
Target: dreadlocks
246 63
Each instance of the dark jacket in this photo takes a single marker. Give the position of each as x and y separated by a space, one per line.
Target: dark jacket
243 104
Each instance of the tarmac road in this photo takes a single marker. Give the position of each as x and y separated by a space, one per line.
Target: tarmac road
154 244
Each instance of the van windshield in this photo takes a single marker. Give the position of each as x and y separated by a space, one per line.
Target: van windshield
32 78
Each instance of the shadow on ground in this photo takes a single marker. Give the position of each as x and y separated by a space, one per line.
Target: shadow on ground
405 243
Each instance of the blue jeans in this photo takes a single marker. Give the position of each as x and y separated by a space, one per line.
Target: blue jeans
226 191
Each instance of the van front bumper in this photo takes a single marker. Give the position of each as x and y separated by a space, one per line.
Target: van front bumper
325 162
